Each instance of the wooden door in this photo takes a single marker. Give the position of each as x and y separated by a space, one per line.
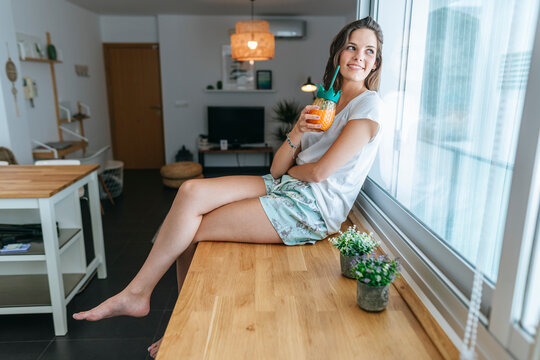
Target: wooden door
134 94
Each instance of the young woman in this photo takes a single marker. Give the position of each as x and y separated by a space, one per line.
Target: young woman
315 178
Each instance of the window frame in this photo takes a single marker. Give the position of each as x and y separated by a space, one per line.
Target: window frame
396 227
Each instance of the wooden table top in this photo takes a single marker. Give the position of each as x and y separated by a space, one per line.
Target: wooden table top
43 181
250 301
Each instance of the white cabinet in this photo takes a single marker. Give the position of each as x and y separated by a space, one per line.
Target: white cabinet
45 279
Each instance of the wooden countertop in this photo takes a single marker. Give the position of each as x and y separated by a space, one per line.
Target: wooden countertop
249 301
31 181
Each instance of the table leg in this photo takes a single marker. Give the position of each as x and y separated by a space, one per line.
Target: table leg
201 159
97 230
54 269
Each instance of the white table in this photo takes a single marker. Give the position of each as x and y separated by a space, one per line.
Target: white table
45 279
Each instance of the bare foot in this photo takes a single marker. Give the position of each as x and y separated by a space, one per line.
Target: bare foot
124 303
154 348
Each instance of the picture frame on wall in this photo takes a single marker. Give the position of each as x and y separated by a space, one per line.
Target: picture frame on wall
236 75
264 79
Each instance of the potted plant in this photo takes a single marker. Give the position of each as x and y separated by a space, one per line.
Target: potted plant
352 244
374 274
287 113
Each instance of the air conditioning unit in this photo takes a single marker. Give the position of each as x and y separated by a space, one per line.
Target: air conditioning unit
288 28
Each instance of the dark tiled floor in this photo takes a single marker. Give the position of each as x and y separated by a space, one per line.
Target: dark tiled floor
128 228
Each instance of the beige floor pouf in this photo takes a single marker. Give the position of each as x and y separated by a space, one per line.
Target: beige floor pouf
175 174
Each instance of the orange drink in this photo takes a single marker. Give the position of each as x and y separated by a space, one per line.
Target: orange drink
326 118
326 101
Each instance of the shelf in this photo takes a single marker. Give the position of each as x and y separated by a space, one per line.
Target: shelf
46 154
40 60
32 290
37 251
75 118
240 150
252 91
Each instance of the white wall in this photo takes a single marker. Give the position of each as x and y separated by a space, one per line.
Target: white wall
125 29
76 33
190 50
13 127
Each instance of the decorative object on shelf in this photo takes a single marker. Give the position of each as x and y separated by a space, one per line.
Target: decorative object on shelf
252 40
183 155
81 70
39 50
22 51
374 274
309 86
209 87
51 52
202 144
237 75
11 73
83 111
286 112
30 46
352 245
264 79
219 85
223 144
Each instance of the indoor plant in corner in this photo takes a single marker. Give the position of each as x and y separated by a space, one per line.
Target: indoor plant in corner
374 274
352 244
287 113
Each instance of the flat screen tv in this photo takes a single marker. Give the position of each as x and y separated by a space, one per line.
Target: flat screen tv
237 124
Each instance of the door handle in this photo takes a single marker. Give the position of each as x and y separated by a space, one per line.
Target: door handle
155 107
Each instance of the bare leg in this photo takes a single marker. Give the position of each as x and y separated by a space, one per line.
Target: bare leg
195 198
240 221
182 265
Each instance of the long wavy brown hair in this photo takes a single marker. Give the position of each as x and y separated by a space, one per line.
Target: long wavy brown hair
338 45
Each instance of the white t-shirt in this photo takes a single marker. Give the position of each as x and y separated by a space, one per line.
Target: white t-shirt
336 195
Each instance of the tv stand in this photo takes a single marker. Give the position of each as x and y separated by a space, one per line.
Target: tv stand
266 150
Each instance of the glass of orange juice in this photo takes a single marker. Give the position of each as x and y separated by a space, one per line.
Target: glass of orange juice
326 101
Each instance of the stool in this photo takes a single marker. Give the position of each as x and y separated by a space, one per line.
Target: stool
175 174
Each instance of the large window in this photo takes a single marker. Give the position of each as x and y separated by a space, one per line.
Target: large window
449 153
453 188
530 316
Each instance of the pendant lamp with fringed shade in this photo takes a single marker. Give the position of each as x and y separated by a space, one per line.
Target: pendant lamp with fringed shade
252 40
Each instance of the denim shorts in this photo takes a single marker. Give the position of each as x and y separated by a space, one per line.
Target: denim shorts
292 209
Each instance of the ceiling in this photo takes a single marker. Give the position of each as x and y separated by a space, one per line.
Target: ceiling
220 7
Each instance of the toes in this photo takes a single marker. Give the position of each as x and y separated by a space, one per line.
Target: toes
79 316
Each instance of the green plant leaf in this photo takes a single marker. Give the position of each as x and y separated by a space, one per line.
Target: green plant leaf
287 112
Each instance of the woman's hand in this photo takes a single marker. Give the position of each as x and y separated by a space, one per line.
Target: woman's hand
302 125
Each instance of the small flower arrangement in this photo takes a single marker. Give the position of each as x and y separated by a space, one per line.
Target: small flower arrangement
352 242
376 270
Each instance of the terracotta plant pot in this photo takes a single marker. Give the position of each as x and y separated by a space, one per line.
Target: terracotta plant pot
346 267
371 298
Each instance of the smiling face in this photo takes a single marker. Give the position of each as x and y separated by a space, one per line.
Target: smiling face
358 58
